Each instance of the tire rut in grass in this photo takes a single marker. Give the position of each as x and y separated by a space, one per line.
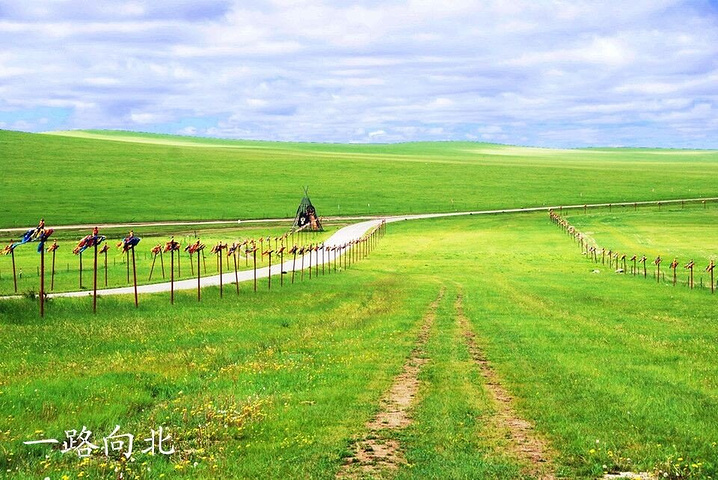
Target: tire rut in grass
525 445
377 453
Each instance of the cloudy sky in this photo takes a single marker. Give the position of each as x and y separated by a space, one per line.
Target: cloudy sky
528 72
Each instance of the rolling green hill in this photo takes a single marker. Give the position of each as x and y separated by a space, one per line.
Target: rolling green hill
98 176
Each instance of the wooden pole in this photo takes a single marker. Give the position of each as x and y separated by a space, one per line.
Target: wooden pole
281 266
311 249
294 263
691 277
14 274
42 281
255 268
236 275
691 269
105 267
152 268
134 276
199 274
94 281
52 277
80 269
162 263
219 257
172 277
269 271
302 277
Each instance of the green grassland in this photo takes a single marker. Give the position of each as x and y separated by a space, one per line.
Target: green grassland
685 233
615 372
97 177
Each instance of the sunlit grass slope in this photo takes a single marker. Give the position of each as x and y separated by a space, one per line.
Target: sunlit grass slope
120 176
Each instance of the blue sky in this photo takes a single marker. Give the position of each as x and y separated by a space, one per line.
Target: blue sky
541 73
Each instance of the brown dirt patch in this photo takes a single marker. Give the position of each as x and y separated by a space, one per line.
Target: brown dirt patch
376 453
525 445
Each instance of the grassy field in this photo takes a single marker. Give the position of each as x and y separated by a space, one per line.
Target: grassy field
99 177
615 372
670 232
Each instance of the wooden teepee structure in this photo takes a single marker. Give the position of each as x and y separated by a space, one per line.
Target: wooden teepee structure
306 217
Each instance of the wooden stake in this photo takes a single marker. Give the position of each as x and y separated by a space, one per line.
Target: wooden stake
105 267
162 263
255 268
281 266
219 257
52 277
310 261
14 274
80 269
199 274
236 275
94 280
294 262
302 277
42 281
134 276
172 277
152 268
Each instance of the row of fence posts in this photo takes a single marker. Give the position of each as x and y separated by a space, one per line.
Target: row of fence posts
600 255
348 253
